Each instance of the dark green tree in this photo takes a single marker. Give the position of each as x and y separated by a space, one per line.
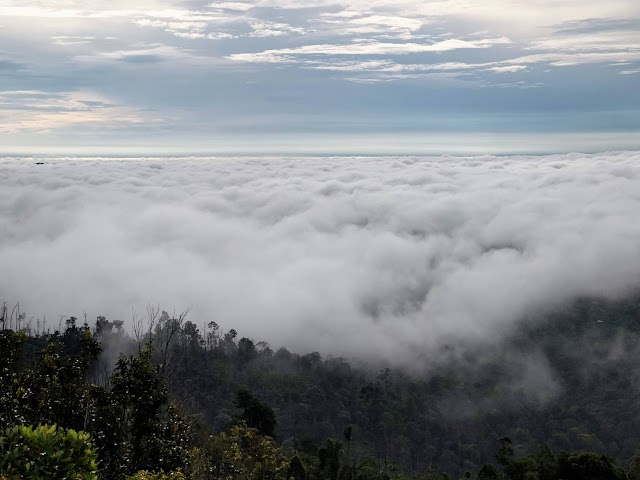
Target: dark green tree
296 469
488 472
246 351
154 435
329 455
587 466
255 414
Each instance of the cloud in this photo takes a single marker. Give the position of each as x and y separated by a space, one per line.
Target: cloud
240 60
381 70
151 53
508 69
591 25
240 6
387 258
293 32
39 111
359 23
71 40
365 48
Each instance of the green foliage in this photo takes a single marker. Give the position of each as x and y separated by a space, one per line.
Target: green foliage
543 465
241 454
634 467
47 386
330 455
488 472
132 425
296 470
11 347
256 414
145 475
506 451
587 466
150 434
47 452
448 418
450 415
11 352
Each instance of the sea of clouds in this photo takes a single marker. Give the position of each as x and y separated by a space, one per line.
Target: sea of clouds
390 257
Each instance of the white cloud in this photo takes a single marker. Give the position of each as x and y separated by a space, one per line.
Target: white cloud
378 257
144 54
573 33
37 111
367 48
240 6
70 40
262 28
508 69
383 26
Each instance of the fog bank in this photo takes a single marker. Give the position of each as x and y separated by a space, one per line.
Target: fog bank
390 257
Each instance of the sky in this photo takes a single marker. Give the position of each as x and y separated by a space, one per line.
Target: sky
404 259
326 77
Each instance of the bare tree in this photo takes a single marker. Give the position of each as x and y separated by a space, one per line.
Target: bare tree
137 326
164 336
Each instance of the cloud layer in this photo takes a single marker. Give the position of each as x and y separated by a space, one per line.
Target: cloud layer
195 67
391 257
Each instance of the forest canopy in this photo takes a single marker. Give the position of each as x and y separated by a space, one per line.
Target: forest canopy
558 399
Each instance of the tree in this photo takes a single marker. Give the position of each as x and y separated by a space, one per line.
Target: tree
256 414
241 454
634 467
154 435
296 469
347 433
587 466
246 351
488 472
51 387
505 454
47 452
329 455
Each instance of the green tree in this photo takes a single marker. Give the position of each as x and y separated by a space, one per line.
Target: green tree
246 351
241 454
255 414
634 467
47 452
11 353
329 455
296 469
155 437
488 472
587 466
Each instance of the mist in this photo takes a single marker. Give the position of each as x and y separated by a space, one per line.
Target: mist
389 258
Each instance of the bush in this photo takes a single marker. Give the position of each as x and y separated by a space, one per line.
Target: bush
241 454
47 452
144 475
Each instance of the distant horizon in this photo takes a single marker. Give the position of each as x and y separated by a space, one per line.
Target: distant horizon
505 144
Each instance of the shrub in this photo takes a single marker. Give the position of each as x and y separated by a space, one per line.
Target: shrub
47 452
144 475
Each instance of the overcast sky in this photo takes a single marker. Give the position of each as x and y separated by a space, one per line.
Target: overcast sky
327 76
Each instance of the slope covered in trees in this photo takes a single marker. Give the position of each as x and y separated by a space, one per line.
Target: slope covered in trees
214 405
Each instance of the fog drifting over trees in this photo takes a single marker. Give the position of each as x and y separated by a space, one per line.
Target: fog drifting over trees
327 254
